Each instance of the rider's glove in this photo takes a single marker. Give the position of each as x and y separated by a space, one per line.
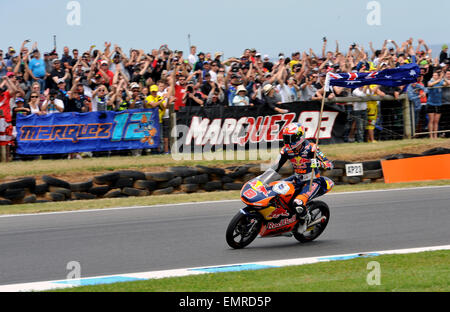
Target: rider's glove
327 165
314 163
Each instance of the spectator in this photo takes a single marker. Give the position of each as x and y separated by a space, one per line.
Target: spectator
20 109
165 113
272 99
3 70
106 73
241 98
446 91
360 114
154 100
57 73
267 64
177 89
192 58
136 100
214 70
288 91
206 68
34 103
308 89
66 59
207 84
77 102
372 112
101 100
35 87
235 81
37 68
7 88
75 57
192 97
217 57
200 60
52 104
435 102
216 96
416 93
443 56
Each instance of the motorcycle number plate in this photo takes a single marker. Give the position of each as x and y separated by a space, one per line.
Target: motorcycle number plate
281 188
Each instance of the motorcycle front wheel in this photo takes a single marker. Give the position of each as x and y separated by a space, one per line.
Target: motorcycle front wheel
242 230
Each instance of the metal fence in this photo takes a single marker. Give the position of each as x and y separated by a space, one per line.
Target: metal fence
396 117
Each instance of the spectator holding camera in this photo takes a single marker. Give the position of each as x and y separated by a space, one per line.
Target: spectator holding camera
192 97
77 101
136 99
52 104
308 89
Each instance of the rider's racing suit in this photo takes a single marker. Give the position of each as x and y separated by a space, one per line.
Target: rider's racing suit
301 160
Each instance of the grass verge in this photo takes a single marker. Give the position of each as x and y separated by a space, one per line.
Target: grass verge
418 272
181 198
76 168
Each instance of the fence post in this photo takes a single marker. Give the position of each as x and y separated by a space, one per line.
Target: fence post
406 119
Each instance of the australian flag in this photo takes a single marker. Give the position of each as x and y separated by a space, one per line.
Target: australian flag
391 77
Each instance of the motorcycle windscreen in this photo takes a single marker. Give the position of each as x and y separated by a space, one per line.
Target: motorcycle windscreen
268 176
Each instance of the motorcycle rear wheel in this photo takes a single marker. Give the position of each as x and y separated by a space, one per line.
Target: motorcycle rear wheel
317 209
242 230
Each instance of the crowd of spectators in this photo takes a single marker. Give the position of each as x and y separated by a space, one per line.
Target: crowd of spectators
109 79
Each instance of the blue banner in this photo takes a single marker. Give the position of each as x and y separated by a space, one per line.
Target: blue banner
61 133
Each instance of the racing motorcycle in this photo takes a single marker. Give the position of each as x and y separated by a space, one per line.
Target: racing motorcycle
270 213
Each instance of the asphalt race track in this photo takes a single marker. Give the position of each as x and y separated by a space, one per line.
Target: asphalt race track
38 247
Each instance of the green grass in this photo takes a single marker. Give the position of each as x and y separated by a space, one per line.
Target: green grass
418 272
181 198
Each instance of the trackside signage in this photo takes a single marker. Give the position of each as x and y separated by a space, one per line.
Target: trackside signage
252 126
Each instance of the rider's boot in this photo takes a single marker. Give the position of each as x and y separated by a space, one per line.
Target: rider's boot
301 209
302 215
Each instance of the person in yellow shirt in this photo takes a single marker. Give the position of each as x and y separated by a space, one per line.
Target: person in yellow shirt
155 100
372 112
294 61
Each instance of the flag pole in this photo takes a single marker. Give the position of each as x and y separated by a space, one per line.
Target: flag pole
317 134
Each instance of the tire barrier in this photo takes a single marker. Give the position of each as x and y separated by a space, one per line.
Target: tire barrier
179 179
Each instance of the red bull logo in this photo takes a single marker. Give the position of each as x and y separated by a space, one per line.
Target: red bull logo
258 186
278 212
283 222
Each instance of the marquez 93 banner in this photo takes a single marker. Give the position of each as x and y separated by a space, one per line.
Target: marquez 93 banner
87 132
252 125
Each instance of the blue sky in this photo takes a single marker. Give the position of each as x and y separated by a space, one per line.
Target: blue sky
229 26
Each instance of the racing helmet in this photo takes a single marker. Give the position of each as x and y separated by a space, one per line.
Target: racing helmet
293 135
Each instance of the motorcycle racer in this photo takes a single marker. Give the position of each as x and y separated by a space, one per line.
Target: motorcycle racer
300 152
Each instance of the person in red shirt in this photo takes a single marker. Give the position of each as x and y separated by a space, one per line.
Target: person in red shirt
106 74
6 89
